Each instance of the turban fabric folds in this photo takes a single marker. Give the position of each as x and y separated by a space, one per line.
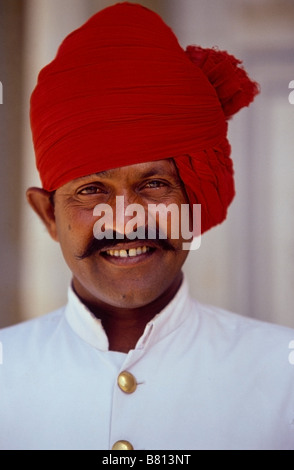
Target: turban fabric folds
121 90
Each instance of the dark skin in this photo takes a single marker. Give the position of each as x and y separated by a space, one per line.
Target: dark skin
124 327
124 292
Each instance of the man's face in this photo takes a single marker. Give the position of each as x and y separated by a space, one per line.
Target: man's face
124 273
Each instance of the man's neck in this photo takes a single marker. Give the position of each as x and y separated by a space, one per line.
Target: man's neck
124 326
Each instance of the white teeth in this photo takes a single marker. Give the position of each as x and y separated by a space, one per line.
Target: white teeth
131 252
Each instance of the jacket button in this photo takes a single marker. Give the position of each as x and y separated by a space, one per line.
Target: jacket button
122 445
127 382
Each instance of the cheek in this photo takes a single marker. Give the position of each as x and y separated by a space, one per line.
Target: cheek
179 224
75 230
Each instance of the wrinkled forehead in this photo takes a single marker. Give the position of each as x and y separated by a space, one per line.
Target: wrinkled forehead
160 168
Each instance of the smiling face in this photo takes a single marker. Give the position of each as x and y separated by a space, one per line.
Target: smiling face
119 273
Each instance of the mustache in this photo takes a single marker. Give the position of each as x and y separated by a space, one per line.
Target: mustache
111 239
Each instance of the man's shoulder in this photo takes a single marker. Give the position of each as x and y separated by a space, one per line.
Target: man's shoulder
246 336
33 326
241 324
22 345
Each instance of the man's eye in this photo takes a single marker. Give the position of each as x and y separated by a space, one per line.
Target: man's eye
88 190
154 184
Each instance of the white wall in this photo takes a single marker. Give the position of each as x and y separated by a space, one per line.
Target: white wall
246 264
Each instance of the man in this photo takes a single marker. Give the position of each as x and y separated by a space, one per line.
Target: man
123 118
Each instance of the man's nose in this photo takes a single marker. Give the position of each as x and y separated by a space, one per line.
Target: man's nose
129 213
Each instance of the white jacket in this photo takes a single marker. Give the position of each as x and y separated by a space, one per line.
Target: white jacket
206 379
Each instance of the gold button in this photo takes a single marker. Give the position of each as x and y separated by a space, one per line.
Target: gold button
127 382
122 445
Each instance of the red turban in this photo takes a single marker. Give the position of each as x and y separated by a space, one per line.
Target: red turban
121 91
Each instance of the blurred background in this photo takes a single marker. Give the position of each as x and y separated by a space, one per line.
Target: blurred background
245 265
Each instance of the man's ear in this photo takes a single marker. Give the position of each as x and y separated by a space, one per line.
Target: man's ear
41 203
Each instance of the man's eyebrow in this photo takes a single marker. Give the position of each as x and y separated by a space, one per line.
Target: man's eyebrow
105 173
143 174
153 172
158 172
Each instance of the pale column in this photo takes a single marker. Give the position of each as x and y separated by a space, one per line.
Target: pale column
44 275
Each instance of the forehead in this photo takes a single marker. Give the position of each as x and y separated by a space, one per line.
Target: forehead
139 170
157 167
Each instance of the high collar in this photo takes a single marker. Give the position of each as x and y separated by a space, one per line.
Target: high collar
89 328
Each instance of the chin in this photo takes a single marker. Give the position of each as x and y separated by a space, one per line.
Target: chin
133 299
